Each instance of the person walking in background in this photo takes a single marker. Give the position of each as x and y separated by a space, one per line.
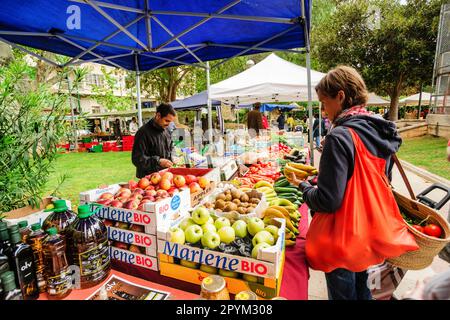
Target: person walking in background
134 127
316 135
281 120
265 122
291 122
254 119
117 130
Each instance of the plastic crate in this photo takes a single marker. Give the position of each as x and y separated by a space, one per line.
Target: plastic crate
97 148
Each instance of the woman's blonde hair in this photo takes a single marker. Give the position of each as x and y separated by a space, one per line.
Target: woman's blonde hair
348 80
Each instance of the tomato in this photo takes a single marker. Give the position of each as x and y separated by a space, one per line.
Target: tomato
432 230
418 228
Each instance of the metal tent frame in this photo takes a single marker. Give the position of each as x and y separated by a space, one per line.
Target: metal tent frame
148 50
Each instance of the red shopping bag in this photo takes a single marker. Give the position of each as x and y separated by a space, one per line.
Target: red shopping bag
367 228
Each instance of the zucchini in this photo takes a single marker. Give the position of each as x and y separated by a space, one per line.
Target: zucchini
286 189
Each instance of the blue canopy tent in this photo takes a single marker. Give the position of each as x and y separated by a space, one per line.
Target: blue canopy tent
269 107
196 101
145 35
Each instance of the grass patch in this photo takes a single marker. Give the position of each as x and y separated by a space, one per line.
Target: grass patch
87 171
427 152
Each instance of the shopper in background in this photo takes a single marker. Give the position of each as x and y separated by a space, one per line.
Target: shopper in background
291 122
134 127
281 120
117 130
152 148
356 222
254 119
316 134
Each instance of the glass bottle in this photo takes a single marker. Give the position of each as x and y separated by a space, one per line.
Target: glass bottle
10 291
88 248
35 240
61 217
24 230
57 275
24 267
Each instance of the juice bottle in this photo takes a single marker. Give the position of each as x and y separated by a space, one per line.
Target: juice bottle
35 240
24 230
24 267
10 291
88 248
57 275
61 217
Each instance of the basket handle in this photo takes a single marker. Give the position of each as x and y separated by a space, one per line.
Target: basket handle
403 174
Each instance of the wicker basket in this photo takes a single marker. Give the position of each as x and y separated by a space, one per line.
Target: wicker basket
429 247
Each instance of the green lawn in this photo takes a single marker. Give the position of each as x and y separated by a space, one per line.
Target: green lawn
427 152
87 171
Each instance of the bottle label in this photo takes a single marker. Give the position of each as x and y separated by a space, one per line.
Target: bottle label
27 276
60 283
94 260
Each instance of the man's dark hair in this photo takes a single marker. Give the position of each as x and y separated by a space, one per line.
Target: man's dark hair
164 109
316 115
257 105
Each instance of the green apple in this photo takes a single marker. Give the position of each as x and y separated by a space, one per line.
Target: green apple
193 233
255 225
226 234
240 228
263 236
210 240
222 222
256 248
177 235
189 264
200 215
211 220
273 230
186 223
208 227
229 274
249 277
208 269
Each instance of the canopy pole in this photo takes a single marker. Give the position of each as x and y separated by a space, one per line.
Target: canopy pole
420 99
138 91
208 83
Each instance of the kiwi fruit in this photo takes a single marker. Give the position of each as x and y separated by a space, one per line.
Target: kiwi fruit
237 201
221 196
255 200
208 205
227 208
244 204
241 210
220 204
228 197
244 198
236 194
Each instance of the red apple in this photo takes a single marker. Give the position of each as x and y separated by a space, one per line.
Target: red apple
179 181
131 205
165 184
137 197
155 178
123 199
143 183
151 198
137 228
145 201
106 195
139 191
108 223
150 193
123 195
168 176
121 225
132 184
150 187
190 178
120 245
195 187
161 194
134 248
116 203
123 191
172 190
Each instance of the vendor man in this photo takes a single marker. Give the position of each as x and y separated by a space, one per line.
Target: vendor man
152 148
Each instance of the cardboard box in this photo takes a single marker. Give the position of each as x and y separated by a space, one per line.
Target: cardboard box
137 238
133 258
267 264
30 214
198 197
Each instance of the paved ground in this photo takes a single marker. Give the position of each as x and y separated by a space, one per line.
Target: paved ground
317 284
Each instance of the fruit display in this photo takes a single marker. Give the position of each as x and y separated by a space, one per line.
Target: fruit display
296 155
279 150
259 172
240 237
128 227
234 201
430 229
300 170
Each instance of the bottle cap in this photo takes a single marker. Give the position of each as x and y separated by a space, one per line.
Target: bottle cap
84 211
3 226
35 226
60 206
22 224
16 237
52 231
12 229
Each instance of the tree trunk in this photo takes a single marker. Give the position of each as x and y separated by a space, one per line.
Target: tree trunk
394 95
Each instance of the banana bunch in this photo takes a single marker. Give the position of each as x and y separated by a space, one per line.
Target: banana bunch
266 188
283 208
300 170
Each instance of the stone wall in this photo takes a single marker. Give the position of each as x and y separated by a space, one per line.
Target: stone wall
439 125
412 131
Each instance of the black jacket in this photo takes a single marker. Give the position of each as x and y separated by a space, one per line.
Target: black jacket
151 143
316 127
379 136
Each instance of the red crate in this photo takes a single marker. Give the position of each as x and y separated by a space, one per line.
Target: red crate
88 145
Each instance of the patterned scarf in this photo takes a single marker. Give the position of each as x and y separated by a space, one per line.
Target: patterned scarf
350 112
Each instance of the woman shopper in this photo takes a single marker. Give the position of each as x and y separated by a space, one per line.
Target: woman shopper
357 223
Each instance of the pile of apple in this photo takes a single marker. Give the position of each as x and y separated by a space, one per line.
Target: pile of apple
126 226
203 230
151 188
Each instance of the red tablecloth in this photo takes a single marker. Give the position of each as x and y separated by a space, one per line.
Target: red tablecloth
294 285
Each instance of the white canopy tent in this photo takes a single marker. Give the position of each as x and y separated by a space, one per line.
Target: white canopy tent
413 100
271 80
375 100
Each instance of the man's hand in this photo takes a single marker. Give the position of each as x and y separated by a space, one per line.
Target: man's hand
292 178
165 163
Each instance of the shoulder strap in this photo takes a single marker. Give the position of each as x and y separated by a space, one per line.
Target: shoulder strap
403 174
